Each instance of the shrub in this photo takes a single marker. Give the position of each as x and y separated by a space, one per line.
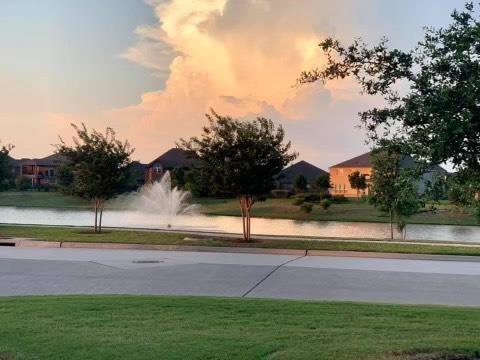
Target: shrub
313 198
23 183
306 207
325 195
299 200
280 194
339 199
325 204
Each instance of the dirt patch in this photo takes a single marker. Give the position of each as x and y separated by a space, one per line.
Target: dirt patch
6 356
437 356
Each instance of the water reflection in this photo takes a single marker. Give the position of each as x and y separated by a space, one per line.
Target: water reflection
135 219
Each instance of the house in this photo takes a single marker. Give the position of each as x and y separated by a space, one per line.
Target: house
172 159
42 172
341 185
287 176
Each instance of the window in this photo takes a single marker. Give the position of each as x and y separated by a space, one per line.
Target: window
51 172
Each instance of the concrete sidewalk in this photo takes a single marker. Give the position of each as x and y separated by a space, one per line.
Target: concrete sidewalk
25 271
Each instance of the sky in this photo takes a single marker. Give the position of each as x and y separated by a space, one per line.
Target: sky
151 70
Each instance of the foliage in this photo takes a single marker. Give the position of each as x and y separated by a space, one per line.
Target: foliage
431 92
300 183
178 177
6 171
299 200
23 183
65 178
357 181
339 199
241 158
100 165
323 182
280 194
393 190
437 190
325 204
306 207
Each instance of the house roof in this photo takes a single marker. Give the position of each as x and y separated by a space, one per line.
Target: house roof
363 161
174 158
311 172
358 161
51 160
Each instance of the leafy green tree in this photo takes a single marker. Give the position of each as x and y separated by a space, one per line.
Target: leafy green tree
100 165
431 92
357 181
323 182
6 171
241 158
393 190
300 183
23 183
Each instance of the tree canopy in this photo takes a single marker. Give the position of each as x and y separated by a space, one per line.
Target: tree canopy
431 92
241 158
393 190
6 171
357 181
300 183
100 165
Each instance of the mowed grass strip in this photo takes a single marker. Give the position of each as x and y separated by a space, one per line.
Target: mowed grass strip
127 327
69 234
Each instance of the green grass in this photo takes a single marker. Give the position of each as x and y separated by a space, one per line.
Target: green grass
127 327
41 199
66 234
350 211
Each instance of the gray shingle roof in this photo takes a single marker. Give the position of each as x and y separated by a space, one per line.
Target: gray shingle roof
311 172
358 161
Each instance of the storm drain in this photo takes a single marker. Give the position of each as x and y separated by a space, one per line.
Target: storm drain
147 261
7 243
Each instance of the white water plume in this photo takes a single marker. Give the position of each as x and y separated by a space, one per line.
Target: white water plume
160 198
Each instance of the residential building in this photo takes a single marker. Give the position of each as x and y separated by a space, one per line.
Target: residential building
172 159
341 185
42 172
287 176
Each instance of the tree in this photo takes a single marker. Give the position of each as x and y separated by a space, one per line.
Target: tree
300 183
100 165
431 92
393 190
23 183
357 181
241 158
323 182
6 171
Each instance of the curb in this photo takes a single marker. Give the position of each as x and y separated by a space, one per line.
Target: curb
31 243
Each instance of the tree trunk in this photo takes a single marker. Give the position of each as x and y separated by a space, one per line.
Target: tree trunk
246 203
102 205
96 215
391 225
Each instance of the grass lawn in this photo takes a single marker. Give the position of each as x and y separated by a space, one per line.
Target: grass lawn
41 199
350 211
128 327
171 238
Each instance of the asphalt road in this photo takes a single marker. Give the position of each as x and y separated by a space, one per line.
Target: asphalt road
26 271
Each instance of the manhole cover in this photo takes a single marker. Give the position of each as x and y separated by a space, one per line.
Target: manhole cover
146 261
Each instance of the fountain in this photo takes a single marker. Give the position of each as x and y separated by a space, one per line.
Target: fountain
159 198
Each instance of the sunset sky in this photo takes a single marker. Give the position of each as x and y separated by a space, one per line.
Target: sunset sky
152 69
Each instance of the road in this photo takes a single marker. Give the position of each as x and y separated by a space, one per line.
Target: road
28 271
